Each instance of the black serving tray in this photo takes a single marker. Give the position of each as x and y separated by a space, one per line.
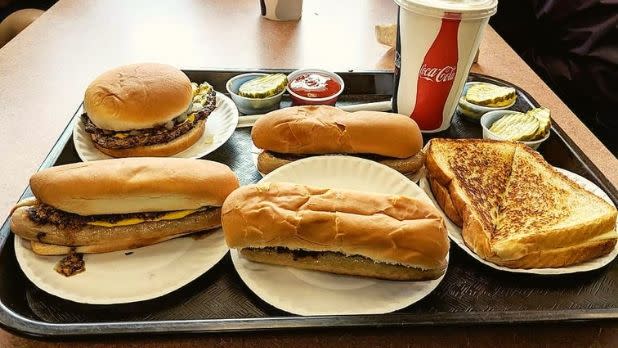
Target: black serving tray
218 301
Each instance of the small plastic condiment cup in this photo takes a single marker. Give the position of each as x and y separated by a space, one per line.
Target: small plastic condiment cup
473 111
301 100
250 106
489 118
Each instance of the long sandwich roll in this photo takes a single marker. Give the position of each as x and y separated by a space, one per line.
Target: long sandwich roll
293 133
119 204
344 232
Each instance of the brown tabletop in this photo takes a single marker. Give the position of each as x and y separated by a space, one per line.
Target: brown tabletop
44 71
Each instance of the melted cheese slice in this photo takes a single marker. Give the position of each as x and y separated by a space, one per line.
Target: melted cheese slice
121 135
174 215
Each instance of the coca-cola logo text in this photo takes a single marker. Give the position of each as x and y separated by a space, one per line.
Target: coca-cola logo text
444 74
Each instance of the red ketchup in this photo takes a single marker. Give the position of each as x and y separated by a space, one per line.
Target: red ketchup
313 85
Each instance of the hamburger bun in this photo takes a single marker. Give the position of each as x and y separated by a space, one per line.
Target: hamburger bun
170 148
268 161
314 129
137 96
132 185
387 229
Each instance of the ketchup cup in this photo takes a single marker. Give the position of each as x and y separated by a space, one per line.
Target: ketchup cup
330 99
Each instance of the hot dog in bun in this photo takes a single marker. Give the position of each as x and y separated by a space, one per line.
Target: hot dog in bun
345 232
292 133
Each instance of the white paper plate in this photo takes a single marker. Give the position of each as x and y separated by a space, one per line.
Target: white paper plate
116 277
255 152
220 125
454 233
305 292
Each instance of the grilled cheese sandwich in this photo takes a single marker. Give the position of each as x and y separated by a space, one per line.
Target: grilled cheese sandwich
514 208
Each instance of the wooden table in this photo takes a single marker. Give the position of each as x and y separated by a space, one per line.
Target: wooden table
44 71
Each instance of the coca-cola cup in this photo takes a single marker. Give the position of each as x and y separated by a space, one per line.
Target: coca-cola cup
436 44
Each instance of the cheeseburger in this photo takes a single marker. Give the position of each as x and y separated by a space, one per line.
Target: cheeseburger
293 133
119 204
145 110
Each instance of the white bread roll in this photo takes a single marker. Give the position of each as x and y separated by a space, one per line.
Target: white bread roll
339 264
320 129
269 161
395 230
51 249
132 185
97 239
137 96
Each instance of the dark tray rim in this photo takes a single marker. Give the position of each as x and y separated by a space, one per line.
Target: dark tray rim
36 329
23 326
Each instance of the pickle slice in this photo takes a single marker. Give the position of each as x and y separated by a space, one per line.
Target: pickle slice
465 110
264 86
500 125
516 126
487 94
542 115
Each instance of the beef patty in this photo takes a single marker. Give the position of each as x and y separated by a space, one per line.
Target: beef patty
148 136
46 214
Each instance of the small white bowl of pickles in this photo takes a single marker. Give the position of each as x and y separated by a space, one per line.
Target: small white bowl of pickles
531 128
479 98
257 93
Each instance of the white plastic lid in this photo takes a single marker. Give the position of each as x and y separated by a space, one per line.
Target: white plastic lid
466 9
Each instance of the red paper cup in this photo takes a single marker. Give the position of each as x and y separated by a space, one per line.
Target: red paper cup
436 44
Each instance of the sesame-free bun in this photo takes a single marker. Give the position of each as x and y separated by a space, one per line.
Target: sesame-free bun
170 148
137 96
340 264
390 229
320 129
133 185
268 161
49 239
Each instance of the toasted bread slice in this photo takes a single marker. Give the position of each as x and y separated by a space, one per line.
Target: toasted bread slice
543 210
562 257
443 198
475 174
386 34
515 209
